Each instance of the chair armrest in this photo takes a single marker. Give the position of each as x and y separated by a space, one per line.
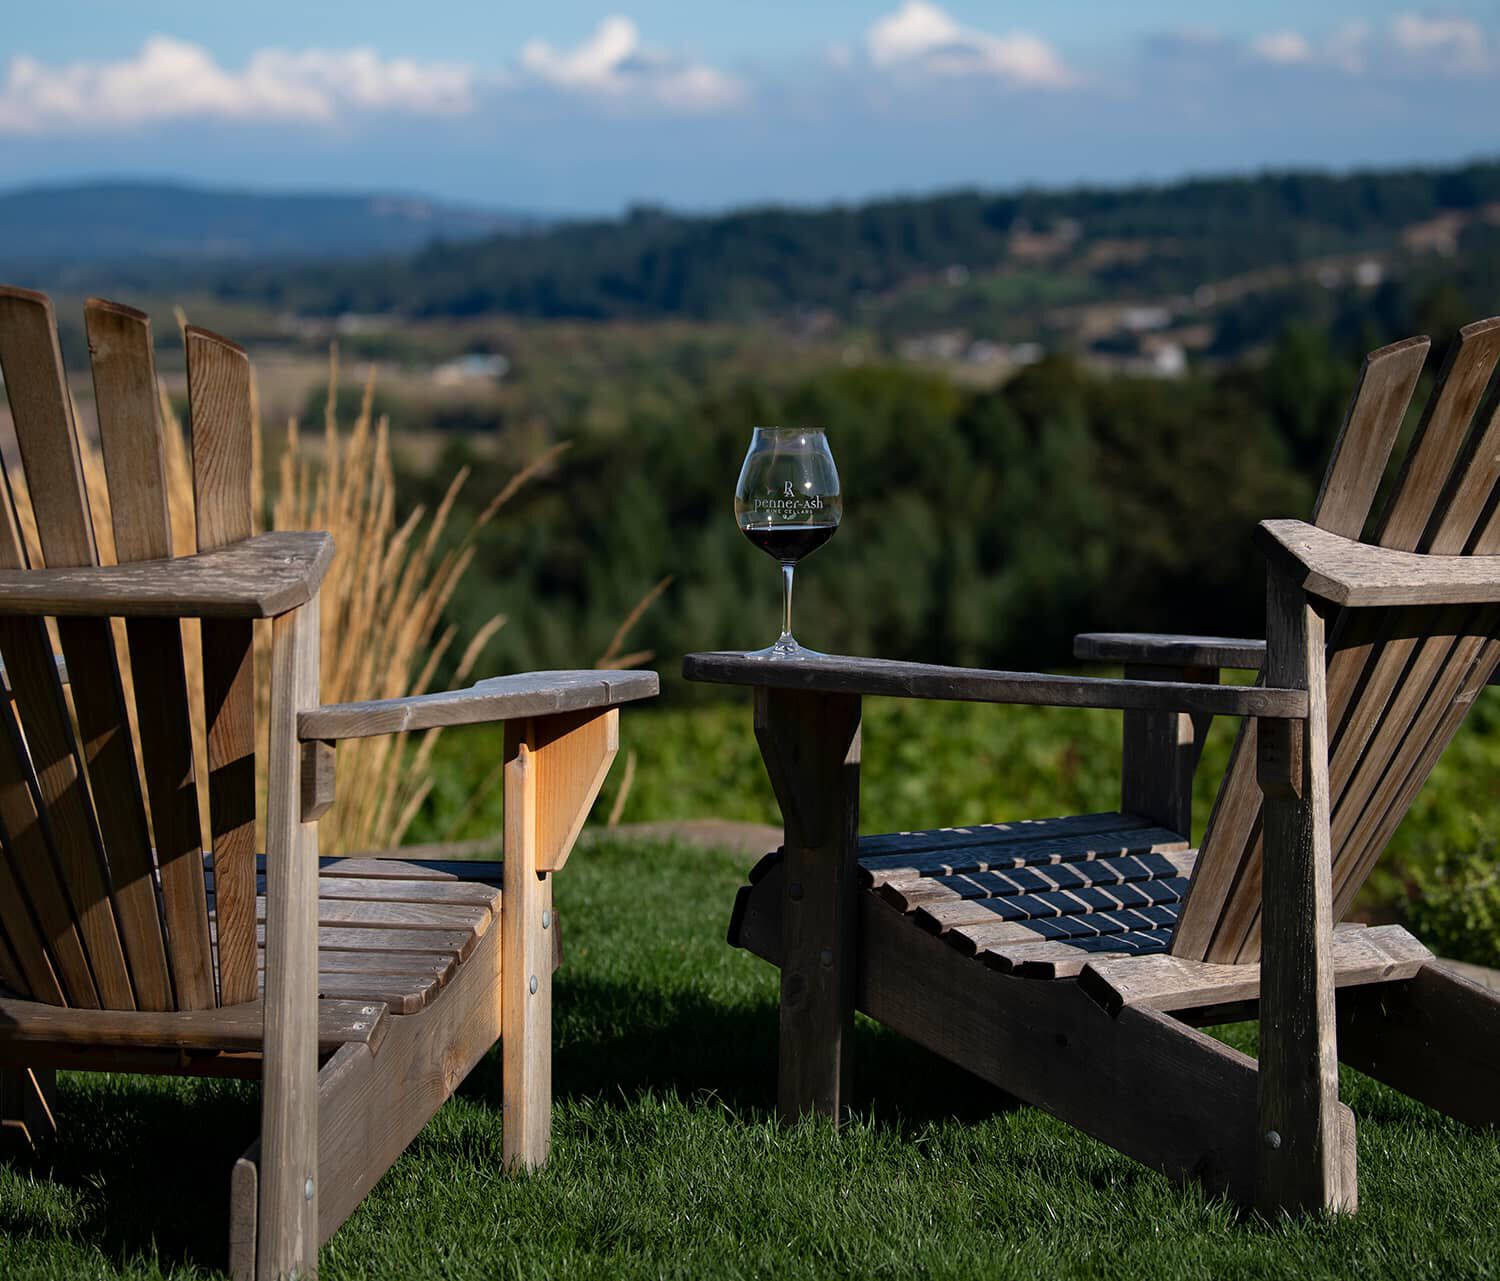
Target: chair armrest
1356 574
502 698
1169 649
837 674
257 578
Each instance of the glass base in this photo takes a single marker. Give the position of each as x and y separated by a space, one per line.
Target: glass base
785 648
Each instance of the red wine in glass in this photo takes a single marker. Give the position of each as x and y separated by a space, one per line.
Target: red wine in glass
788 503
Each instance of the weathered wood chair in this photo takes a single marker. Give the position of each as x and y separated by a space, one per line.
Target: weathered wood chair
1066 960
360 991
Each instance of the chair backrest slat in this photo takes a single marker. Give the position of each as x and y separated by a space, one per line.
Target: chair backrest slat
1394 677
36 915
219 401
134 452
42 412
1384 390
1457 649
103 900
10 968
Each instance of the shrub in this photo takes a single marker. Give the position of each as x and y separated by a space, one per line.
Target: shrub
1455 906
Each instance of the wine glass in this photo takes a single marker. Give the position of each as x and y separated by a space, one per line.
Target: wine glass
787 503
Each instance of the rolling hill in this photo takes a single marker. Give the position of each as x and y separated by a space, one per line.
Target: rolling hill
176 224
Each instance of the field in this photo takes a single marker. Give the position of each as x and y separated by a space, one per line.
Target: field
668 1162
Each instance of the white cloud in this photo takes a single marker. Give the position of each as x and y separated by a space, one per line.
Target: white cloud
171 79
923 37
613 63
1346 46
1456 44
1282 47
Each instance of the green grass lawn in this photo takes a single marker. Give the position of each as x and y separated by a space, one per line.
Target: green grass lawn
667 1162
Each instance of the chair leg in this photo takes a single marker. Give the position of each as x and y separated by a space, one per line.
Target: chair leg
811 746
287 1227
1302 1140
554 767
525 966
27 1099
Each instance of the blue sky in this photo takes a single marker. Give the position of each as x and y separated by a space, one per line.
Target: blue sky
579 107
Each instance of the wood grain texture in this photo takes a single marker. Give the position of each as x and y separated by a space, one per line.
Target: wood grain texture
1446 486
393 890
54 961
288 1216
25 967
1435 1037
125 397
388 915
1068 958
62 675
573 752
1146 1084
1223 901
36 386
223 462
244 1207
838 674
1376 411
370 1106
319 778
1160 751
370 938
219 398
1445 652
1169 649
525 968
415 864
810 743
1384 954
1359 575
1302 1169
1407 668
259 578
29 1028
229 715
162 715
501 698
1417 494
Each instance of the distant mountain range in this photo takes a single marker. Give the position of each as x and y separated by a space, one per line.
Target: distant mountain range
178 224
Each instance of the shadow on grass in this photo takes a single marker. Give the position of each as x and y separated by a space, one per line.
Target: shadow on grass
139 1168
621 1040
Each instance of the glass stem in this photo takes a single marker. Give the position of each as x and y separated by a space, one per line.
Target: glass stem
788 568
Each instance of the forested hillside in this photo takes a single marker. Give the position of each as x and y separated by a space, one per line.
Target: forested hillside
1094 242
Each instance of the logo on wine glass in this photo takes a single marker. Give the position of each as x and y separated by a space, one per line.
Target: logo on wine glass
792 505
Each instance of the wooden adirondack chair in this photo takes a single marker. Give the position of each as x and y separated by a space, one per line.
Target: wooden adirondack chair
1066 960
361 991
